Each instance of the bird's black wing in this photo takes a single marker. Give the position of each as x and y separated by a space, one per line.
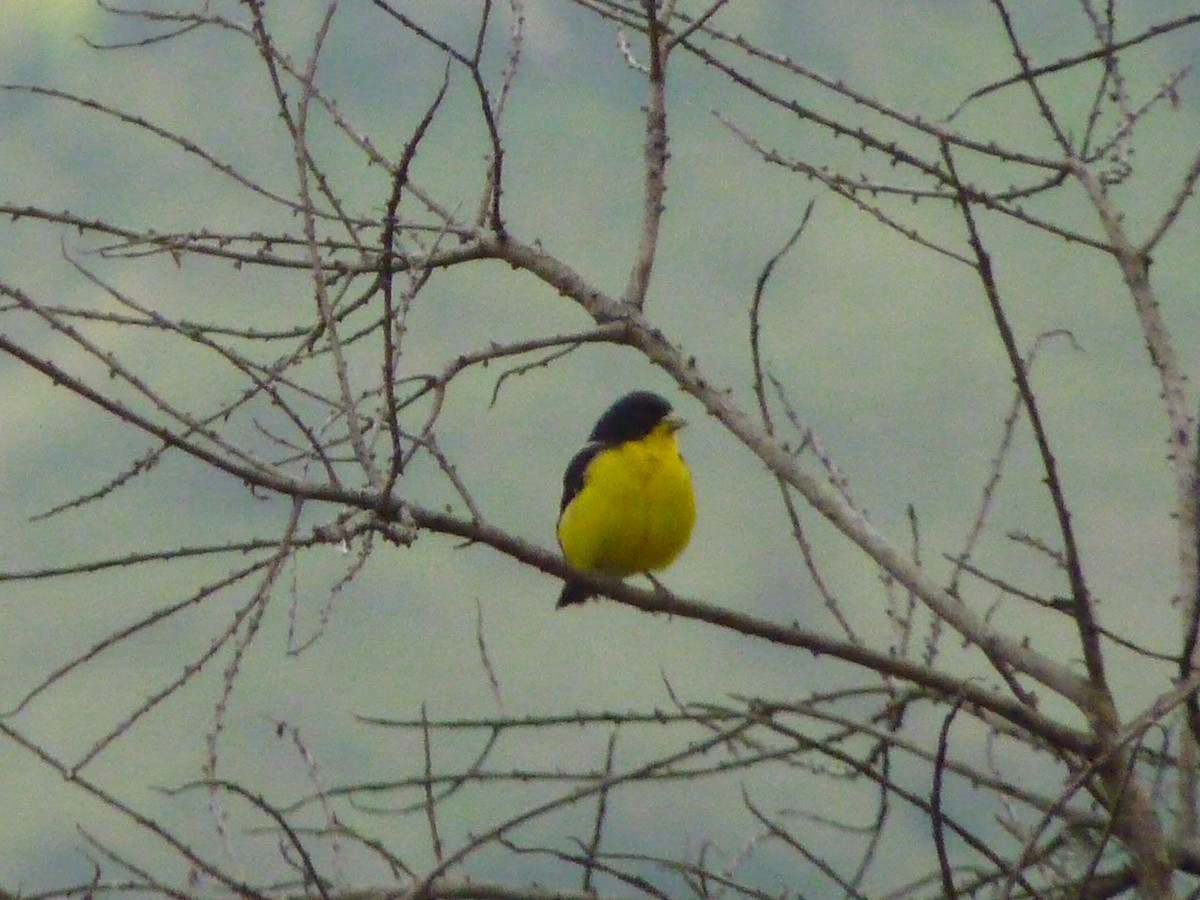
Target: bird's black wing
573 591
573 477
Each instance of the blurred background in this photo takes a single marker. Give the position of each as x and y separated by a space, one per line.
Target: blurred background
886 350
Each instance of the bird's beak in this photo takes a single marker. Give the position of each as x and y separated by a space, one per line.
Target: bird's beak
673 422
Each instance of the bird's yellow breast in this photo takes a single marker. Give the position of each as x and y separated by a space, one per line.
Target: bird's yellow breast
635 510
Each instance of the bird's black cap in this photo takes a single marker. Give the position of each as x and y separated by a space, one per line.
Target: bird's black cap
630 418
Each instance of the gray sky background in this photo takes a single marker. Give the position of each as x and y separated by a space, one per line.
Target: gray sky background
887 351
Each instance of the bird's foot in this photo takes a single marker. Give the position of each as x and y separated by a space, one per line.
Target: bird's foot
661 591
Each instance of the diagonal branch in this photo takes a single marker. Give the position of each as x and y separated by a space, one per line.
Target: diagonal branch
1084 606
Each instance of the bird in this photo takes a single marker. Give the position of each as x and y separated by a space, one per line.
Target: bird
627 502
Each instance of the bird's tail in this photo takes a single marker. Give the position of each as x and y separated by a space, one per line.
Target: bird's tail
572 592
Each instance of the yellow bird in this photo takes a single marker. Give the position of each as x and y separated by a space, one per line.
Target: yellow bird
627 504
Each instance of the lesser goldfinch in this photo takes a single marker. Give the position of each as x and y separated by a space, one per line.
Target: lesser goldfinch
627 504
